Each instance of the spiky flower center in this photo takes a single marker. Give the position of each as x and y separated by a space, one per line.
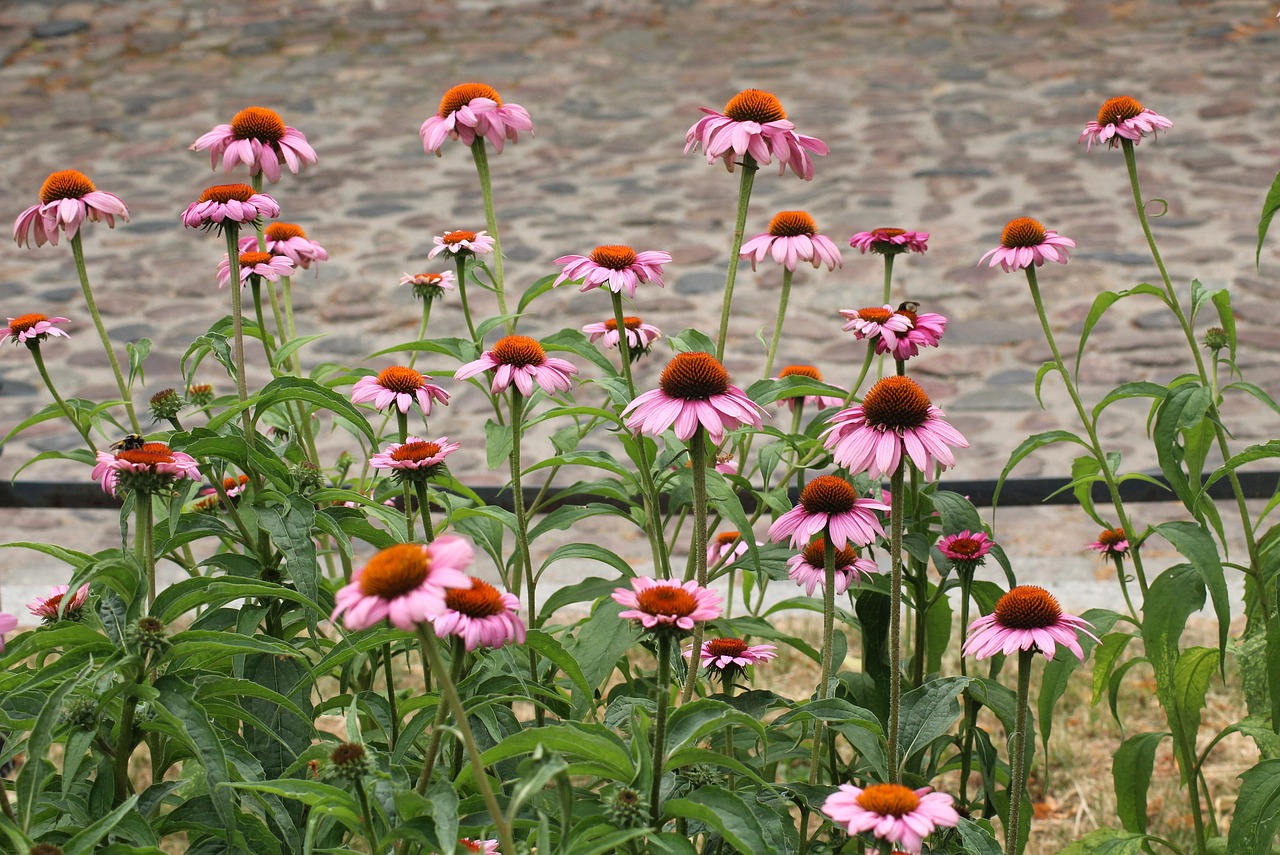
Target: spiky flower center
395 571
725 538
416 451
889 800
669 600
253 259
520 351
631 323
44 849
284 231
792 224
887 234
224 193
347 753
1118 110
258 123
1021 232
1027 607
828 494
66 184
755 105
151 454
614 256
22 323
235 483
459 236
53 602
801 371
896 402
815 554
965 547
400 379
694 376
462 94
481 600
875 314
150 625
1111 536
726 647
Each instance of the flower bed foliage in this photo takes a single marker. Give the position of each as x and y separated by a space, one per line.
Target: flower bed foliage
631 711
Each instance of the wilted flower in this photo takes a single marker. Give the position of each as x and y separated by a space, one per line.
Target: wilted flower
1111 541
428 286
48 607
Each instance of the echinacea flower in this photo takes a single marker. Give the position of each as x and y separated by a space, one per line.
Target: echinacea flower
254 263
968 549
521 360
727 657
288 240
229 203
754 123
726 547
147 469
1026 618
482 616
829 502
461 242
894 417
812 373
1025 242
792 237
885 241
235 486
33 328
694 389
1122 118
881 324
258 138
892 812
640 336
405 583
8 623
1111 541
484 847
617 268
398 386
807 568
926 331
472 110
415 457
666 604
67 198
47 607
429 286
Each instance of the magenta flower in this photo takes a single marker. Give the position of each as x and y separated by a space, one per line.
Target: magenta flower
926 331
1025 242
1111 541
405 583
820 401
415 455
640 336
67 199
618 268
693 389
484 847
33 328
1122 118
726 658
665 604
258 138
968 549
148 469
754 123
473 110
892 812
462 242
398 386
884 241
482 616
47 607
726 547
808 567
290 241
894 417
1026 618
828 502
8 623
429 286
254 263
792 237
521 360
228 203
880 324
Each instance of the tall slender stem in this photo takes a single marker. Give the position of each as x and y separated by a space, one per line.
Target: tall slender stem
887 295
481 157
422 328
783 299
461 261
862 373
367 811
442 711
970 719
232 231
660 722
402 426
424 508
1018 774
391 696
749 168
144 544
698 462
895 619
77 253
524 556
255 287
624 345
34 346
828 637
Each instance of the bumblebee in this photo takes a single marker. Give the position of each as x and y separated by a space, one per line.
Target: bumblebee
131 442
909 306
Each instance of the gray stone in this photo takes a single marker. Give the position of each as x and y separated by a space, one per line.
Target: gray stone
994 399
58 29
700 283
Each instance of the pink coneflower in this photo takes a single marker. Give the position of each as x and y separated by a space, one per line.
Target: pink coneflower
228 203
148 469
725 464
482 616
472 110
258 138
809 371
967 549
726 547
884 241
521 360
895 416
665 604
792 237
398 386
484 847
808 567
640 336
8 623
1025 242
926 331
254 263
829 502
47 607
881 324
892 812
1122 118
415 456
754 123
429 286
33 328
290 241
726 658
693 389
1111 541
405 583
618 268
235 486
67 199
1026 618
462 242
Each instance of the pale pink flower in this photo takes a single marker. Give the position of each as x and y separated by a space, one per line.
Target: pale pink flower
967 548
482 616
694 389
67 199
618 268
894 417
640 336
229 203
429 286
1025 242
47 607
8 623
1122 118
145 468
665 604
462 242
1111 541
415 454
472 110
398 386
520 360
405 583
754 123
1026 618
792 237
290 241
808 567
829 502
809 371
885 241
258 138
926 331
33 328
727 657
892 812
254 263
727 546
881 324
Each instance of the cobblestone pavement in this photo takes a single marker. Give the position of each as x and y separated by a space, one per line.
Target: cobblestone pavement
948 117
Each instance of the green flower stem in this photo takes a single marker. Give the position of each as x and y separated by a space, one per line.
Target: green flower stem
255 287
698 461
369 835
461 261
144 544
660 723
517 501
232 231
424 508
1124 584
862 374
282 332
8 808
422 328
828 637
34 346
449 691
125 743
77 252
895 619
970 719
481 157
887 294
286 283
402 422
624 346
1094 445
749 168
783 299
391 696
920 580
1018 773
459 652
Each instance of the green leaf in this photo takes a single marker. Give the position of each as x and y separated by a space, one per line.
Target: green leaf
321 797
588 590
1026 447
289 348
692 340
768 390
1139 389
1191 677
1104 660
534 291
138 352
573 341
281 675
977 838
78 560
36 771
593 749
1057 672
86 841
928 713
550 647
1101 303
1107 841
1131 772
1269 207
1257 812
176 702
725 812
1226 318
601 641
284 389
498 443
694 721
1198 547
